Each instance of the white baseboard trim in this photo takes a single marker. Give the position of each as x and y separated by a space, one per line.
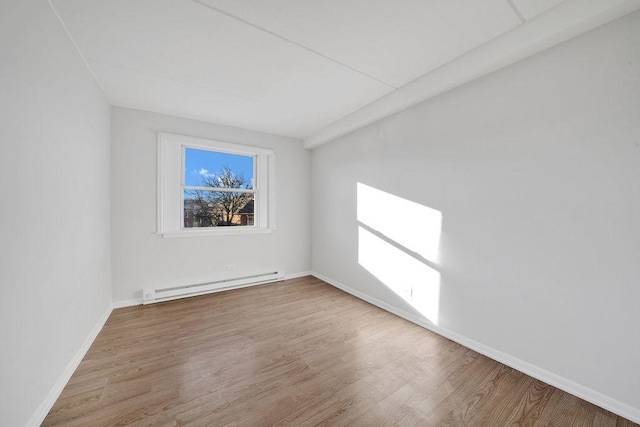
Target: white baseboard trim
298 275
127 303
585 393
38 417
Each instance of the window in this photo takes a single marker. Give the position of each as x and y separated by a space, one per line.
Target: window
208 187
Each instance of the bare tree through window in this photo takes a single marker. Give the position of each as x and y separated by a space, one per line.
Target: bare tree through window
218 205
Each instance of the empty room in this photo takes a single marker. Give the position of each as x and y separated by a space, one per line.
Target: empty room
340 212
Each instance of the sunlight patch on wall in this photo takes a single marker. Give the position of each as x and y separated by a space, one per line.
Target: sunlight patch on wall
414 226
398 243
414 281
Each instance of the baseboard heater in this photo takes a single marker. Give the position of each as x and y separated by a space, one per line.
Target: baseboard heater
152 295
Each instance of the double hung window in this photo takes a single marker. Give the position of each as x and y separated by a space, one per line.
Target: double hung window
211 187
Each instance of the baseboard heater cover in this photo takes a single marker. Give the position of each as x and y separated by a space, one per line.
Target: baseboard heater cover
151 295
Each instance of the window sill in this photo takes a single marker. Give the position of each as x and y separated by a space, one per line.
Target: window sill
230 231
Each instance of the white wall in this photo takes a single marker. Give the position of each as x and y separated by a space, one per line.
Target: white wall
143 259
54 215
536 170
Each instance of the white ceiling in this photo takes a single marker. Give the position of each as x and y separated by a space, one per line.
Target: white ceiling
290 67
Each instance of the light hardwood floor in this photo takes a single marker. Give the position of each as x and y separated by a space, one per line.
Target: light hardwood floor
302 353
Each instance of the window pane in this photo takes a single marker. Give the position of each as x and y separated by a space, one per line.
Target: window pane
218 209
204 168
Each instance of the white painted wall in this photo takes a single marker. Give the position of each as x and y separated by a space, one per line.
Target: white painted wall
54 215
143 259
536 170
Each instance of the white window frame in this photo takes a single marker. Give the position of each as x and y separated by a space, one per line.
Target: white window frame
171 165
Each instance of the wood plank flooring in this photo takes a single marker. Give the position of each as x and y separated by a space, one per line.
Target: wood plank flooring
301 353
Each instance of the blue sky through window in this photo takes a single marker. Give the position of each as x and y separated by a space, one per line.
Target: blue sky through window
203 163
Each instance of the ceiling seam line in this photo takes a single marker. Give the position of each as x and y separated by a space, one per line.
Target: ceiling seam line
517 10
75 45
244 21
